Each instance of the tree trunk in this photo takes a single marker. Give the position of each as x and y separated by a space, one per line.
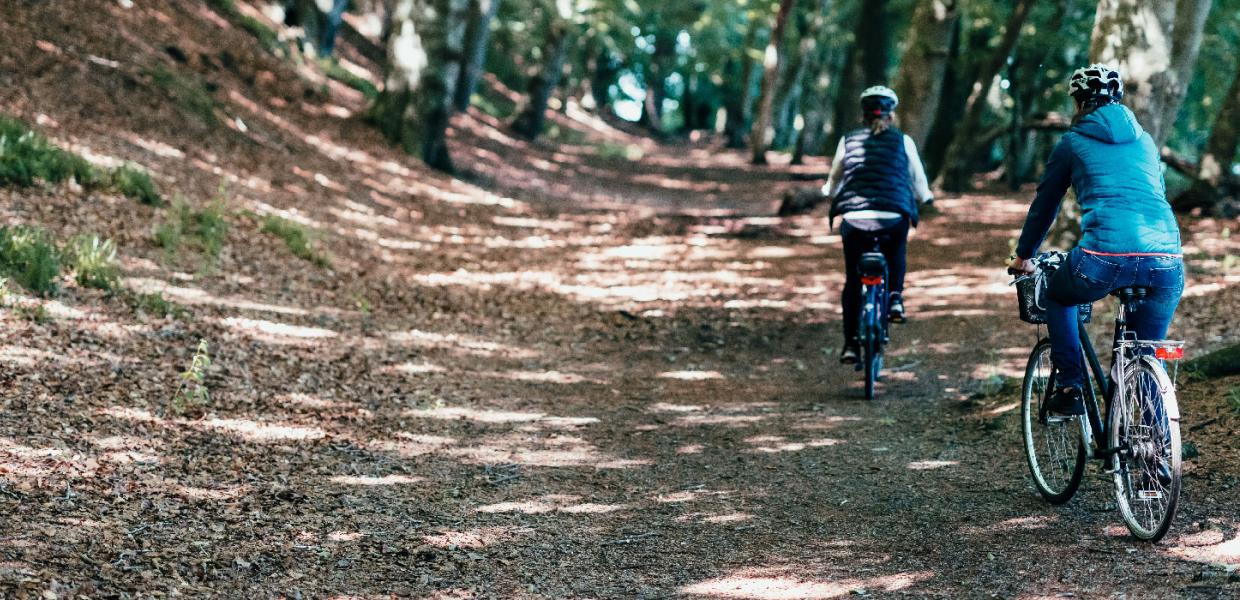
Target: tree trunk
529 123
656 79
1154 43
478 38
924 66
866 66
1214 168
424 49
770 72
738 110
956 162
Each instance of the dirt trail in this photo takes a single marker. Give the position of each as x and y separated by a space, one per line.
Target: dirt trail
568 374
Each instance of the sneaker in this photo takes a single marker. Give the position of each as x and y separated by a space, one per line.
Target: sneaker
851 354
1066 401
895 312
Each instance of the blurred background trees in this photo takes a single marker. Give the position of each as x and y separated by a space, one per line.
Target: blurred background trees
982 82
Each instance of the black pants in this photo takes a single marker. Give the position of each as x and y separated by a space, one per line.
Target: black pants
892 241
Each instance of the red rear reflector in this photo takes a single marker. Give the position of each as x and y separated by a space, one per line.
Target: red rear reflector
1169 353
871 280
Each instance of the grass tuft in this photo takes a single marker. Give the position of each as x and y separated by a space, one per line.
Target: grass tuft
296 237
155 305
28 255
204 229
94 261
26 156
190 94
35 313
136 183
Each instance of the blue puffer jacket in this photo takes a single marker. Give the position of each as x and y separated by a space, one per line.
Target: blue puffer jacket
1114 167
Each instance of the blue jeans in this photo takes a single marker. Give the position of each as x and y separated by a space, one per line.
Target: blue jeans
1087 278
331 24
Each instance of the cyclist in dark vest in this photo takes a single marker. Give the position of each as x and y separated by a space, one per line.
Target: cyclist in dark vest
1129 236
876 186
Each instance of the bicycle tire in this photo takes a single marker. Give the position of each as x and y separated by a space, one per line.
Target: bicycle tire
1146 503
874 341
1056 469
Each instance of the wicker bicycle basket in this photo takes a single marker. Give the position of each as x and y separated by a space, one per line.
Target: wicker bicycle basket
1031 297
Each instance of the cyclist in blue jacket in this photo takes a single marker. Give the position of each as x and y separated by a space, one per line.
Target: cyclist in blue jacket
1129 236
877 184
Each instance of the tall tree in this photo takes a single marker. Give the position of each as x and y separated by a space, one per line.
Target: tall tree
657 72
533 116
796 93
770 72
865 66
919 82
739 70
1215 166
956 162
1155 44
423 66
477 39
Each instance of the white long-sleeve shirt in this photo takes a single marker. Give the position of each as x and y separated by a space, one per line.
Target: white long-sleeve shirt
917 173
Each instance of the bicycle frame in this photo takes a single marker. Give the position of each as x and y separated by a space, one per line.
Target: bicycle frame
1094 428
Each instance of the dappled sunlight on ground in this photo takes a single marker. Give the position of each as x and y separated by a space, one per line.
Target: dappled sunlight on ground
772 584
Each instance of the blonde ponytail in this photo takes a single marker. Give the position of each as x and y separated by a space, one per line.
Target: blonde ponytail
880 124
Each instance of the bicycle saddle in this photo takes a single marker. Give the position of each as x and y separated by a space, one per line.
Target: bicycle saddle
872 264
1131 292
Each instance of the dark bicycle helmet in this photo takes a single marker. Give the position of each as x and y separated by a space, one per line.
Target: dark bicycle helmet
878 101
1096 82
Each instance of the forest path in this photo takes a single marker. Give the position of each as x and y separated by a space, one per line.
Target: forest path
621 383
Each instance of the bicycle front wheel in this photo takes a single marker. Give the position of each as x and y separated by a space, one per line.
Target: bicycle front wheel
1145 426
1054 445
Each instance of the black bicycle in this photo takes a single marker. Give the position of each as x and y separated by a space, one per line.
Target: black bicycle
1139 442
872 329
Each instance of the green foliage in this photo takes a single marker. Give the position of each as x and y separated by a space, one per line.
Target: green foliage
1233 400
332 69
190 94
28 255
156 305
182 225
93 260
296 237
193 393
136 183
26 156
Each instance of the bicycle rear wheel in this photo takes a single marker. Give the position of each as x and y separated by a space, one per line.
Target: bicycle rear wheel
873 340
1054 445
1145 424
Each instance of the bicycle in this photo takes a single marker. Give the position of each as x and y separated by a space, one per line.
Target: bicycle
1139 442
872 332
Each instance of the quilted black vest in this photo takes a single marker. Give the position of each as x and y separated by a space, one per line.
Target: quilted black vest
876 175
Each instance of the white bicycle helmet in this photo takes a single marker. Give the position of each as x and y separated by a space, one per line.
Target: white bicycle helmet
881 91
1096 80
879 100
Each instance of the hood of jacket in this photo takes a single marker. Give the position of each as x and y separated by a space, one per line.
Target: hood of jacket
1112 124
